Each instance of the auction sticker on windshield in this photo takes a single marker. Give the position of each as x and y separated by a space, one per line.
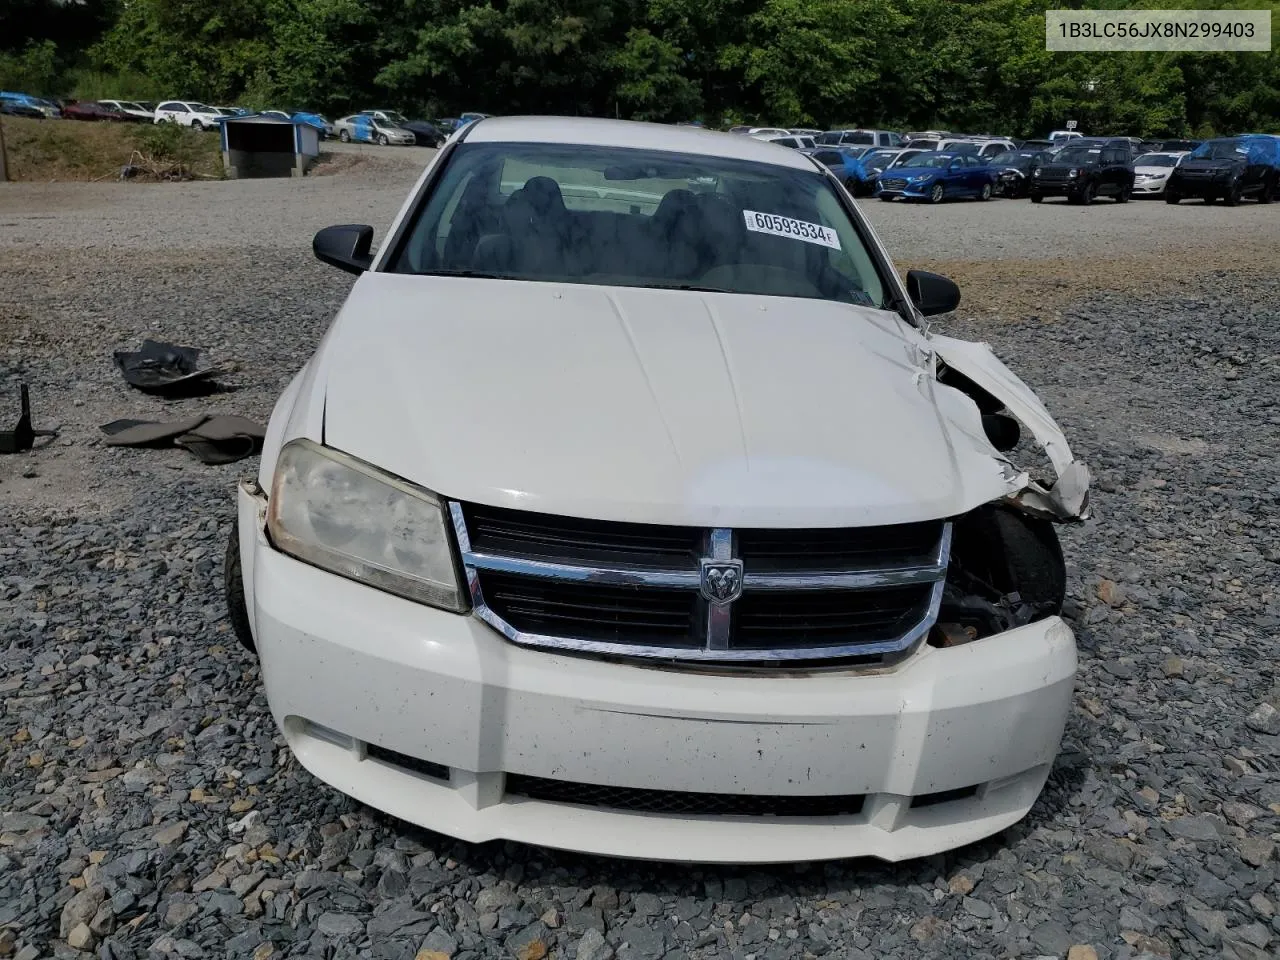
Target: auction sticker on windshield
771 223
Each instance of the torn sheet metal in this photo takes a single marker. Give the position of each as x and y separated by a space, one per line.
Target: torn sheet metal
1068 498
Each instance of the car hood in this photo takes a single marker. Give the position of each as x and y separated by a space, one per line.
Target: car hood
651 405
1155 171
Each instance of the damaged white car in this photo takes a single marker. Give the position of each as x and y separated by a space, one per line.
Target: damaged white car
627 507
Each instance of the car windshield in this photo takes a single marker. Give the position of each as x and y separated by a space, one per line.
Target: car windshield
1079 155
925 143
1156 160
929 160
1218 150
879 159
1014 158
574 213
858 136
201 108
394 117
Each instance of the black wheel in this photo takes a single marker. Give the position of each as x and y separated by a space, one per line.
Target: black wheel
986 192
197 126
382 140
1088 194
937 194
1171 197
1232 196
1268 191
1037 198
233 591
344 136
1123 195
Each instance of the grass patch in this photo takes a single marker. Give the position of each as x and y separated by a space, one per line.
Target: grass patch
47 150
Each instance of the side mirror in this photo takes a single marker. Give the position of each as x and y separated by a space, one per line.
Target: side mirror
345 246
932 294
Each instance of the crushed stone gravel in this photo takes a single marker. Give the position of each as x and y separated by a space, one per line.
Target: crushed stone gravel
149 808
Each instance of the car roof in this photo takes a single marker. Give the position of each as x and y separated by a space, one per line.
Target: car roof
590 131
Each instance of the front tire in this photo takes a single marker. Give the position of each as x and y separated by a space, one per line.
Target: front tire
1171 197
1123 195
937 194
344 136
233 591
1232 197
1087 194
1037 198
197 126
986 192
382 140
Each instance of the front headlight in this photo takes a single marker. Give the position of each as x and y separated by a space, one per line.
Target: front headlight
350 518
1073 173
1035 172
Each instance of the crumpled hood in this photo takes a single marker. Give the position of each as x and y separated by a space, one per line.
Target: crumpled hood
651 405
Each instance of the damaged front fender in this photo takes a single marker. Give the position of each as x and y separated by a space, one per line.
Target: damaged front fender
1068 497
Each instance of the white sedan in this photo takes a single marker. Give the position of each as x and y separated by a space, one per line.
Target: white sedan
628 506
135 110
1151 172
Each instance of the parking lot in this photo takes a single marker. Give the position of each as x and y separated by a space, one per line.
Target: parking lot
144 787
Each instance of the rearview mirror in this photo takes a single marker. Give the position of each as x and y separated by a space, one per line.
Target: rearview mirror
932 294
345 246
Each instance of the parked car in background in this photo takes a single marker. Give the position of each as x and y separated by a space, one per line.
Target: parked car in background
1059 136
20 108
134 109
47 108
323 126
1083 171
1229 169
874 162
860 138
445 125
767 132
471 117
936 175
810 643
425 133
1151 172
1013 170
1178 146
366 128
805 131
1036 144
188 113
843 162
93 111
792 141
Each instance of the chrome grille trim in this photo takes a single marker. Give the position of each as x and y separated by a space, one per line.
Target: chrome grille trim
717 639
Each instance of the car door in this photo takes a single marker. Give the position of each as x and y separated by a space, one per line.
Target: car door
362 128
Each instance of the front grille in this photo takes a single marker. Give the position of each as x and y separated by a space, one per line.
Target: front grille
840 548
895 184
679 801
767 619
602 613
1048 173
426 768
545 537
754 595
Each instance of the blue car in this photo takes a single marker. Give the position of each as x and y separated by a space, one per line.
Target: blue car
936 176
46 107
845 163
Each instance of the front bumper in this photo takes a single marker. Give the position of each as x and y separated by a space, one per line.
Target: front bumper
1199 186
1055 188
1149 187
912 191
351 673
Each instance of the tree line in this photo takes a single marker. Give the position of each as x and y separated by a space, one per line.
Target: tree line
965 65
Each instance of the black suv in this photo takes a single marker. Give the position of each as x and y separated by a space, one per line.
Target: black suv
1228 169
1085 169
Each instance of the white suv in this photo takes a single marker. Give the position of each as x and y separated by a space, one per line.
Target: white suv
188 113
629 505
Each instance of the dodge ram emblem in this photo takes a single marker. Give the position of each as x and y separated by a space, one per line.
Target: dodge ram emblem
721 580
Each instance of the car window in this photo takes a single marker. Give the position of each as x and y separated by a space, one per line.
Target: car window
625 217
830 158
859 136
1079 155
786 142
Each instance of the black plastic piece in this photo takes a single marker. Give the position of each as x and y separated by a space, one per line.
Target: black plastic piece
164 368
931 293
22 437
345 246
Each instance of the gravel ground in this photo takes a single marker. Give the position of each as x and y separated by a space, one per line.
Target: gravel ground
149 809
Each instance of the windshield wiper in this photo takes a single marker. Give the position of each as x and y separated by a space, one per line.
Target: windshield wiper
471 274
